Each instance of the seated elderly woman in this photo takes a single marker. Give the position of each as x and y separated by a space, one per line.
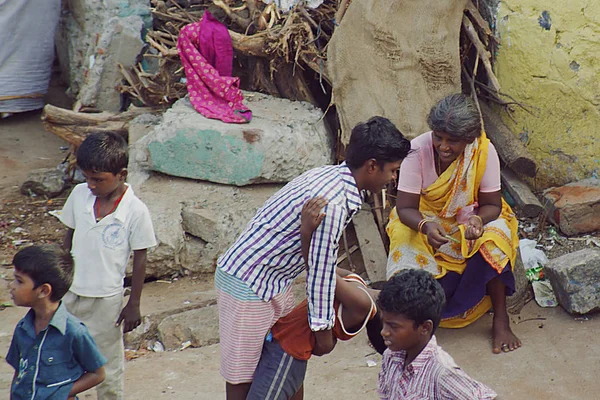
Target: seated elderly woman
450 219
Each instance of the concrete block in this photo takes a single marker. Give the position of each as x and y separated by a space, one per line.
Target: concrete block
199 256
229 209
575 208
200 327
48 182
200 222
283 140
575 279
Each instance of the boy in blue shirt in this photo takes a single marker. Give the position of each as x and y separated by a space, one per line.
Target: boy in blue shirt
53 354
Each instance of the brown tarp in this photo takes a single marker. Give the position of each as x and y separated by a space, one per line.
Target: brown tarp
395 59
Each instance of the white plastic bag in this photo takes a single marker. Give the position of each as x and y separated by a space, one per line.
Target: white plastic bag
532 257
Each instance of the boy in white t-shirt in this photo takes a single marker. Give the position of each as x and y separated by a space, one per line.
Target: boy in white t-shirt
106 222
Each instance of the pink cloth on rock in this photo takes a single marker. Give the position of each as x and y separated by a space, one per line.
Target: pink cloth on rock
207 57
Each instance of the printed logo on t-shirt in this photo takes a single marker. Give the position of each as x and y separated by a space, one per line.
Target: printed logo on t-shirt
23 365
113 235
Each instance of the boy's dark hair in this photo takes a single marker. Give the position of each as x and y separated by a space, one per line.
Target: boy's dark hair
103 152
378 138
46 264
415 294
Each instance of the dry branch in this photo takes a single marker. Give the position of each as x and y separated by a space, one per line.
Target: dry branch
527 204
509 147
74 127
478 19
482 51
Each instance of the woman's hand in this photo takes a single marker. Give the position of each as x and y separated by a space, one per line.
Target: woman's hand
435 234
474 228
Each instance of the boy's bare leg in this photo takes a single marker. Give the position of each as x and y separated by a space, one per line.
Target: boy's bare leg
237 392
299 394
356 304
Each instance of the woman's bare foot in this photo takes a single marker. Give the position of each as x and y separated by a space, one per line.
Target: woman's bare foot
503 338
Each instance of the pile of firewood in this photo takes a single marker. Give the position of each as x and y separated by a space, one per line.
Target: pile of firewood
276 53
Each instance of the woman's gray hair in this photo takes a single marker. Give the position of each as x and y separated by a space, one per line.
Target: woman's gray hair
456 115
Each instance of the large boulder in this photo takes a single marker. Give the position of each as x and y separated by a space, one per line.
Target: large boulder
194 222
575 279
283 140
575 208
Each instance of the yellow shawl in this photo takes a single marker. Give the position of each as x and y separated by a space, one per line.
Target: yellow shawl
456 189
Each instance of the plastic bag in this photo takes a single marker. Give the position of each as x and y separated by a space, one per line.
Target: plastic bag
544 295
532 257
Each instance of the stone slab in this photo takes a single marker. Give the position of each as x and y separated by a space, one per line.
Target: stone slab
119 43
283 140
575 279
199 326
575 207
200 222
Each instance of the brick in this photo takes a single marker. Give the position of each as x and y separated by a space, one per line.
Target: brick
575 208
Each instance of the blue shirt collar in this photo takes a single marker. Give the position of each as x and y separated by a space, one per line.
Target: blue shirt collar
58 321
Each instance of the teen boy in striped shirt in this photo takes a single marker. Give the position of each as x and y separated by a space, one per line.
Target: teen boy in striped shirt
414 367
253 278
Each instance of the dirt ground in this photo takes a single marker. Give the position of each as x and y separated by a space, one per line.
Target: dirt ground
560 358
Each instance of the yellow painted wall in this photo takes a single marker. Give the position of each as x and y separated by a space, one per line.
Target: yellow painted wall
557 71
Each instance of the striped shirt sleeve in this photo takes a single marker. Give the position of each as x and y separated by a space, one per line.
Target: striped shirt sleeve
322 259
457 385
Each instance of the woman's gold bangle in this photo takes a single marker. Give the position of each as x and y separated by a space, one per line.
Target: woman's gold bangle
421 223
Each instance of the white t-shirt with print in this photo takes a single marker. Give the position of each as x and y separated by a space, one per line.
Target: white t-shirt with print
101 250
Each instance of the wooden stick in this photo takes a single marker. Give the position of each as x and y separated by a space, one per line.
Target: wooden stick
481 52
509 147
163 50
380 222
527 204
479 20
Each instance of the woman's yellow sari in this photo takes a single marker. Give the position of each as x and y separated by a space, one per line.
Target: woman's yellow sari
455 190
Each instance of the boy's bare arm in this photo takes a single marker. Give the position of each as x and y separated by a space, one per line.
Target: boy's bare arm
87 381
131 312
68 240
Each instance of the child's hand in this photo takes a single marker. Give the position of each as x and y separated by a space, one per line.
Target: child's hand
311 215
132 317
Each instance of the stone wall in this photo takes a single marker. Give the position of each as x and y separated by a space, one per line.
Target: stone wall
548 58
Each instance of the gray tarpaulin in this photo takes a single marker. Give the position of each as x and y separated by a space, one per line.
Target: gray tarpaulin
27 30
